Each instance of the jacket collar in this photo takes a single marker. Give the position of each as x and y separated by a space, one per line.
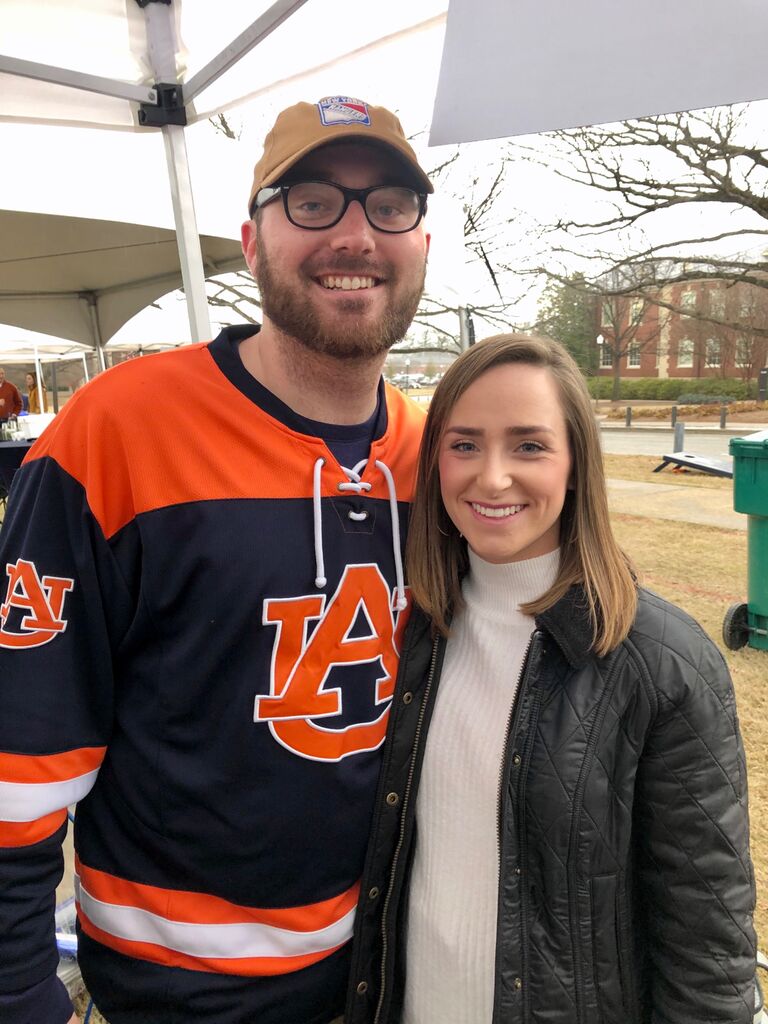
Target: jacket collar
568 623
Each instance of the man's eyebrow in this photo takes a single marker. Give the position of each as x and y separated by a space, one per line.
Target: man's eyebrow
514 431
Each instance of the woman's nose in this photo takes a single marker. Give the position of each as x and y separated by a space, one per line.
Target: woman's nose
495 474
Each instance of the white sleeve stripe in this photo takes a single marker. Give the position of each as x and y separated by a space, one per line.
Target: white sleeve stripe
211 941
21 801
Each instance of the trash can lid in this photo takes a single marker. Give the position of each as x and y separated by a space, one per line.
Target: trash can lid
753 445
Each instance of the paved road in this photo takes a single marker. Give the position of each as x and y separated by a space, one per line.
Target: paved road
648 441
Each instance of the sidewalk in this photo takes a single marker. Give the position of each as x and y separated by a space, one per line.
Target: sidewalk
704 506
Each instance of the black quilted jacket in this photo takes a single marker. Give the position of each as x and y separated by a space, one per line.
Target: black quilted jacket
626 888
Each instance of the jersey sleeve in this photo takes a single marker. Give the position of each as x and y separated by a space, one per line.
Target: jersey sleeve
67 600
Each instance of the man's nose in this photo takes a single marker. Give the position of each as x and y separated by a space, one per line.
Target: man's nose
353 230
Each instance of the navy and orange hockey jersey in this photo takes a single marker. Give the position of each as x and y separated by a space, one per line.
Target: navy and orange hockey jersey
199 635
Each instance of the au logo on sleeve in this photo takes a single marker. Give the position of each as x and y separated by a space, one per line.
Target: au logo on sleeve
39 604
301 663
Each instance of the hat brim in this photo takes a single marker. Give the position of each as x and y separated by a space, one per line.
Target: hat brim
342 135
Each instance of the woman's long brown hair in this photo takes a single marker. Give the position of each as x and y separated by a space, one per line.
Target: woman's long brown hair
436 554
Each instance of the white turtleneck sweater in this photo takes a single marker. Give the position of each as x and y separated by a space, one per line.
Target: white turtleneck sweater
453 899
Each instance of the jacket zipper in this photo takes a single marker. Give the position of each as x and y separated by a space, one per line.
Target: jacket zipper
512 720
578 797
401 838
503 782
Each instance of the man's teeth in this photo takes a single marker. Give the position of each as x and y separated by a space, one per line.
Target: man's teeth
347 284
497 513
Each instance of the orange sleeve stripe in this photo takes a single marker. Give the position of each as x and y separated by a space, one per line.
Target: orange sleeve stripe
243 966
200 908
46 768
27 833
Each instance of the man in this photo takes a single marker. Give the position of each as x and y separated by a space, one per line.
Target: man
10 399
202 618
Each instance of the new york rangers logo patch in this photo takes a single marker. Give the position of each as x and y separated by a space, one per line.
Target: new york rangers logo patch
343 110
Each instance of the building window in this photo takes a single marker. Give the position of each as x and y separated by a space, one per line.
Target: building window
743 351
685 354
606 316
606 356
688 299
712 353
717 305
633 357
636 311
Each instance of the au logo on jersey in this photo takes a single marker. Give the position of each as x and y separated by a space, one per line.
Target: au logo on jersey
40 602
300 666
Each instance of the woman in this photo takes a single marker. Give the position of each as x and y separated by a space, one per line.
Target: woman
563 743
35 393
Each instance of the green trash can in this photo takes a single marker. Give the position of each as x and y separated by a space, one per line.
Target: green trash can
748 623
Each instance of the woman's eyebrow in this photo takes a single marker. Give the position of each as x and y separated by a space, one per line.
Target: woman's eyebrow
514 431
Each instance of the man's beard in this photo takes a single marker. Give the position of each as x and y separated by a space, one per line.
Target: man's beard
291 310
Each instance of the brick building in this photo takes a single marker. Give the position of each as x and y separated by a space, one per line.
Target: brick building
652 341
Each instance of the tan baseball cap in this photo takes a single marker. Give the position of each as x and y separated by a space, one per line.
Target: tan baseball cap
306 126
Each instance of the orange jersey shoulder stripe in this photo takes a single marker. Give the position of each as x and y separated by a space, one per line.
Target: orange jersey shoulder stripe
200 908
27 833
242 966
129 464
32 769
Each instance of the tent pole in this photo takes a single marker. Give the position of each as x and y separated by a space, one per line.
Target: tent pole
40 381
162 49
93 309
187 238
54 388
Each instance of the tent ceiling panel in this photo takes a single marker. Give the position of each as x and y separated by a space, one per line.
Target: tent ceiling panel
48 262
108 38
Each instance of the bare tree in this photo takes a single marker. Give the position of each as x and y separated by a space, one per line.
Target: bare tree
645 169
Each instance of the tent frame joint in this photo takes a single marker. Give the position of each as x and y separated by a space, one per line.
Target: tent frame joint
169 108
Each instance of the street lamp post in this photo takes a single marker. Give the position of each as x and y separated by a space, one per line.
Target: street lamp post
599 341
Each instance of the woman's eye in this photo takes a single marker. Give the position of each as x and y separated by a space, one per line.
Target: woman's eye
531 447
463 446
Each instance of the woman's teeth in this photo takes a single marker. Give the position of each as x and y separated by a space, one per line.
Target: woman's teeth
497 513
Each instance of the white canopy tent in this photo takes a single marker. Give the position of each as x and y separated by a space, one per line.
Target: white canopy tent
83 278
156 66
516 67
22 347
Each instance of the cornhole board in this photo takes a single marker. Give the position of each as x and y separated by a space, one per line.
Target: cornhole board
701 463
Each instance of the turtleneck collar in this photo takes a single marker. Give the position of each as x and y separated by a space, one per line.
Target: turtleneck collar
497 591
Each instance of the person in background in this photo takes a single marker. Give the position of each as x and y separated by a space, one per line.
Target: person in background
202 615
35 393
565 837
10 398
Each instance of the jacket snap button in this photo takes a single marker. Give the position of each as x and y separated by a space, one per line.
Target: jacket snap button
362 988
407 697
392 799
518 870
373 893
516 759
518 983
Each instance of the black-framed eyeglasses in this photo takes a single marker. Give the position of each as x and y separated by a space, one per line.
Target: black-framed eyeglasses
316 205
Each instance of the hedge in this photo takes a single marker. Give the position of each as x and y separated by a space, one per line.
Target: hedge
661 389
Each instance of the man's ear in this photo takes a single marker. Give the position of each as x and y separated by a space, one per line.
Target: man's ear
250 244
